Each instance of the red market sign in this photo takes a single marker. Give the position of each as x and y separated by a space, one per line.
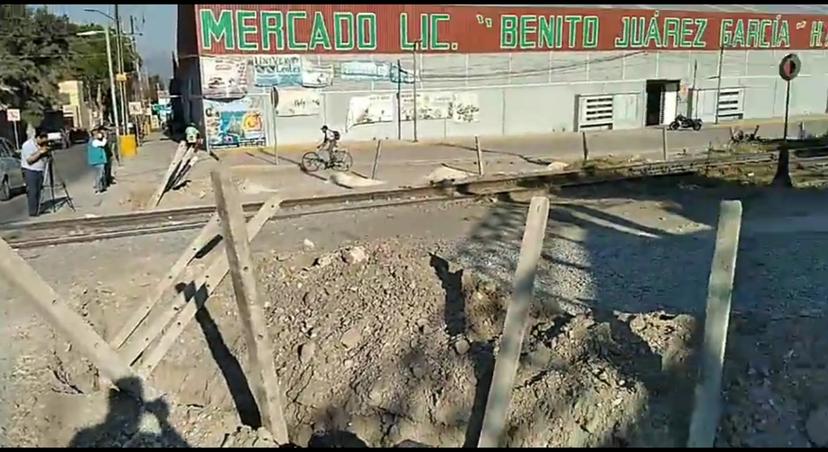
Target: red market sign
385 28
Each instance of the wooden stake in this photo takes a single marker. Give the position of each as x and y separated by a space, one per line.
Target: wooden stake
17 273
174 163
207 233
206 283
705 419
376 160
514 328
479 155
251 309
586 149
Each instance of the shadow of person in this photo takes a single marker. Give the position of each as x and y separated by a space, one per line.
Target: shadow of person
123 424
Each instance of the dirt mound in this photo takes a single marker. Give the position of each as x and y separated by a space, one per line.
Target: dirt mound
399 346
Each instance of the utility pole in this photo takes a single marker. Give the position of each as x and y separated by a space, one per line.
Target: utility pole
692 103
119 52
414 53
399 100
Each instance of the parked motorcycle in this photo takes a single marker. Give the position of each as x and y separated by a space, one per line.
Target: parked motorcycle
684 122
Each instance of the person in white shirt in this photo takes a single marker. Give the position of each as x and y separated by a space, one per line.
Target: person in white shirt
33 157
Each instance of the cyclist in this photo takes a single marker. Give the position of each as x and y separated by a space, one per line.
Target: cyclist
329 143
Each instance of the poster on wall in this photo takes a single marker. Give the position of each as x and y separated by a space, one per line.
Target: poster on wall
370 109
365 70
430 105
299 102
237 123
277 70
316 75
223 77
465 107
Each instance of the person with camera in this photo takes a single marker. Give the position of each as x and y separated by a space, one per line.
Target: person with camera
34 155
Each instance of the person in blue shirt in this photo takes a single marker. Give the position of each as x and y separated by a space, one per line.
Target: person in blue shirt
96 158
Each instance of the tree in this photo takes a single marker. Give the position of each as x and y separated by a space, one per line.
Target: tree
38 49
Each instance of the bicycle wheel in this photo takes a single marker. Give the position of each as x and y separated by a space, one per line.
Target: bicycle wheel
341 160
311 162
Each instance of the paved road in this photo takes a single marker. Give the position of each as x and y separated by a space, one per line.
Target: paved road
71 165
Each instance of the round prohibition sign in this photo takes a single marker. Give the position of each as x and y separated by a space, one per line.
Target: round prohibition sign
789 67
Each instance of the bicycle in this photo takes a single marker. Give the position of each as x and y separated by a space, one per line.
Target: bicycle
339 160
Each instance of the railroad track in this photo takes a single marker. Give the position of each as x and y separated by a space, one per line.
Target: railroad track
57 232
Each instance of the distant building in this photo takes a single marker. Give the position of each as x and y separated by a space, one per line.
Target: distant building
74 107
488 70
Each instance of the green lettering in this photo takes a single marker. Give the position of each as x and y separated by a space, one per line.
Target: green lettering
339 30
671 30
816 34
725 36
591 32
623 41
546 32
213 29
653 33
527 25
559 32
319 33
701 26
508 31
686 31
244 29
573 29
293 44
637 31
366 40
739 34
405 43
424 31
435 42
784 34
271 25
752 40
764 42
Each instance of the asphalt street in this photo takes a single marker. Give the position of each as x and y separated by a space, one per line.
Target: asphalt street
70 164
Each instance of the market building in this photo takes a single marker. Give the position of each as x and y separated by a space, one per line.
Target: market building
258 75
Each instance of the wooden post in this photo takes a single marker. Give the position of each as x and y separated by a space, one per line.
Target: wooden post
707 410
207 233
17 273
159 192
376 160
514 327
185 308
479 155
664 143
251 309
586 149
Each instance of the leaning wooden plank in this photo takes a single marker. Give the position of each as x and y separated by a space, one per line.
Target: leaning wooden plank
514 327
176 160
251 308
208 232
705 418
20 275
204 287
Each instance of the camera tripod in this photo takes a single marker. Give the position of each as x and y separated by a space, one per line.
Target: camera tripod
49 183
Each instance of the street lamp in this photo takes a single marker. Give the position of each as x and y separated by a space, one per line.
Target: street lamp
123 111
105 32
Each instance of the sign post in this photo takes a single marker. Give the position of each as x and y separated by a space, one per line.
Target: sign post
13 115
274 100
789 68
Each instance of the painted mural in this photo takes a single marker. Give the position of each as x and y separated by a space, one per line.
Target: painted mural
370 110
465 107
224 78
298 102
236 123
395 28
